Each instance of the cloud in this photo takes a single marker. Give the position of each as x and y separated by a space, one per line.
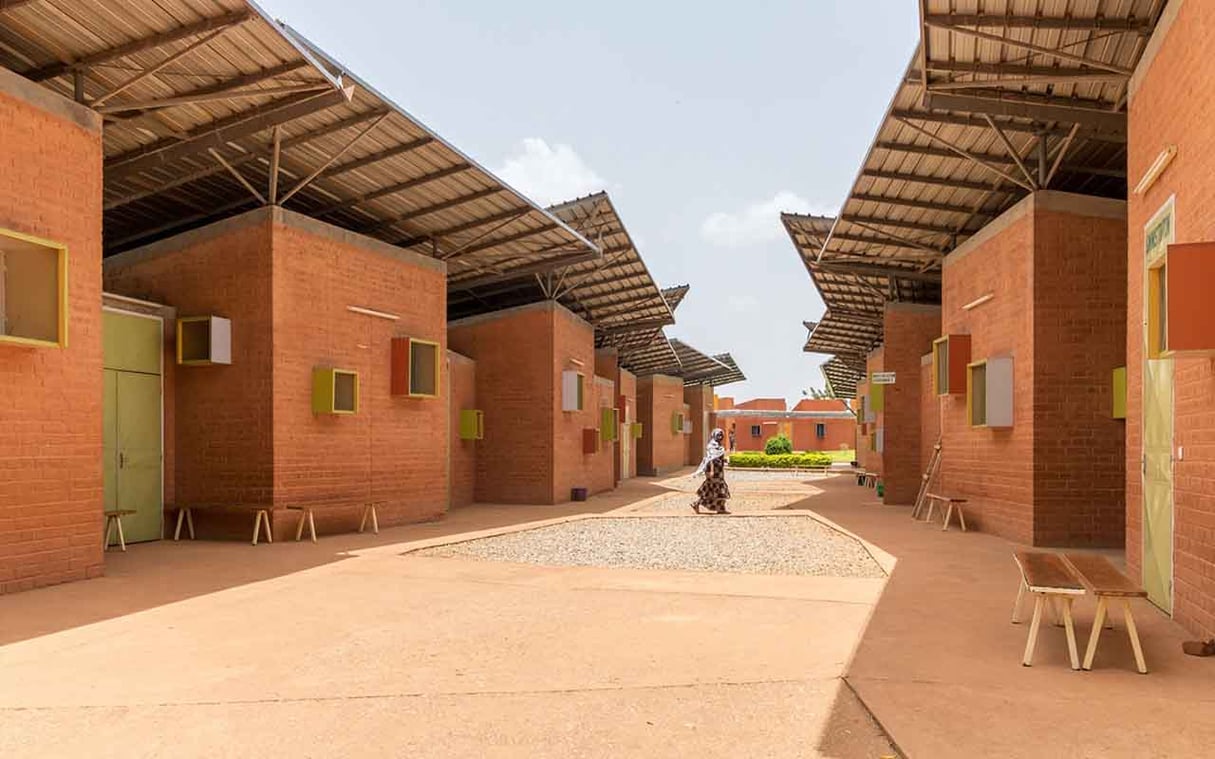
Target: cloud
757 223
549 173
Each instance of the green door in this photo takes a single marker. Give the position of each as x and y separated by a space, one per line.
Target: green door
132 422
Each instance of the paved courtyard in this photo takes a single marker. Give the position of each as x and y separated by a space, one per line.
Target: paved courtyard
356 647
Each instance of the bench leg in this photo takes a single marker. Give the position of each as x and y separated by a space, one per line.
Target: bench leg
109 526
1133 633
181 513
363 521
1016 615
299 526
122 540
190 521
1056 616
1095 635
311 527
1066 603
375 522
257 525
961 518
1032 641
928 514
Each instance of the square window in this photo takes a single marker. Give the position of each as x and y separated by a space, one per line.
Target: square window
415 368
977 393
33 291
756 430
204 341
820 430
573 391
472 425
335 391
1158 310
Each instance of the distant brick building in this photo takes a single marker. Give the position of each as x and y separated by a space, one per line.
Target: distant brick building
812 425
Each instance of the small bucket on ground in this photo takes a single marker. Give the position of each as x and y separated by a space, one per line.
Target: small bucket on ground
578 494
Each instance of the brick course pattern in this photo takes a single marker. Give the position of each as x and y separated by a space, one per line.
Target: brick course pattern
50 406
1164 111
909 330
462 380
246 432
660 449
699 399
521 354
1052 478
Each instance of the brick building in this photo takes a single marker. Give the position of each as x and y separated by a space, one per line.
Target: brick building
1079 414
50 364
282 270
812 425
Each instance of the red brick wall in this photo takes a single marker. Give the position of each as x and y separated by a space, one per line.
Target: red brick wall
993 468
700 402
395 449
841 434
574 348
744 440
462 379
223 427
1165 111
514 355
246 432
1055 316
867 457
50 406
908 333
520 355
930 414
1079 339
626 389
660 450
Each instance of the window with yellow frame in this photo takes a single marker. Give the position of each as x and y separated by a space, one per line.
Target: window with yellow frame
33 291
1159 233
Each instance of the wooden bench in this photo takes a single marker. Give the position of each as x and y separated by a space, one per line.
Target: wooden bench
1100 577
261 516
309 509
948 505
866 479
1050 580
114 517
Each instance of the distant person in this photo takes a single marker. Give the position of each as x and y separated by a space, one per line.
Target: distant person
713 492
732 448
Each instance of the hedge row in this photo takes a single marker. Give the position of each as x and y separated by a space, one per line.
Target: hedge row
756 460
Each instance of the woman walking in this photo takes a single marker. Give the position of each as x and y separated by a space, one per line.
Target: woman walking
713 492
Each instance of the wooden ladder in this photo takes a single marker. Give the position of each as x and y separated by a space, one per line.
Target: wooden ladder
934 464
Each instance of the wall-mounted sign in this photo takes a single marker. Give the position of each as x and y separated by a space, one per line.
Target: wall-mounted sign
882 378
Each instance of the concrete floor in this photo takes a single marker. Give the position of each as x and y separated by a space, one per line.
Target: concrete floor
939 664
349 648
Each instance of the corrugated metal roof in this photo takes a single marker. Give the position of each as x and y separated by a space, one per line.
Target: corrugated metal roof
615 293
841 377
1003 97
675 358
729 375
196 95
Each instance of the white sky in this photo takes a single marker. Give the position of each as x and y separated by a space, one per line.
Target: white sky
702 119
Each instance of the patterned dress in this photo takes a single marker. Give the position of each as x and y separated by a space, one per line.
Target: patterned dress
713 492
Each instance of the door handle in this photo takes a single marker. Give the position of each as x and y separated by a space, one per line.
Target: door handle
122 460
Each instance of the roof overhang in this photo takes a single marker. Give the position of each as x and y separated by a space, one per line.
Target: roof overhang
212 109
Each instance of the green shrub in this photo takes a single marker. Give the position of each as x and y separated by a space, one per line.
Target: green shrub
757 460
778 445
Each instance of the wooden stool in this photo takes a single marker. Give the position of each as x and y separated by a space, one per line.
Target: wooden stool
115 518
369 510
187 513
262 516
305 517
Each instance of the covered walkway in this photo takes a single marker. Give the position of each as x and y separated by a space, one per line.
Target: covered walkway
939 663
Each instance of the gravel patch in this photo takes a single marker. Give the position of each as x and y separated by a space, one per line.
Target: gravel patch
680 502
795 545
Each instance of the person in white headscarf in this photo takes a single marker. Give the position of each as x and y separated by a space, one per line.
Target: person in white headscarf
713 492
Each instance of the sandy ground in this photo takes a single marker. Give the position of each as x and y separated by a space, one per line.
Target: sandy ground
351 648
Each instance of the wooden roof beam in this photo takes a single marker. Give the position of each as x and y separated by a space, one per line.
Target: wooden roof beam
139 45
